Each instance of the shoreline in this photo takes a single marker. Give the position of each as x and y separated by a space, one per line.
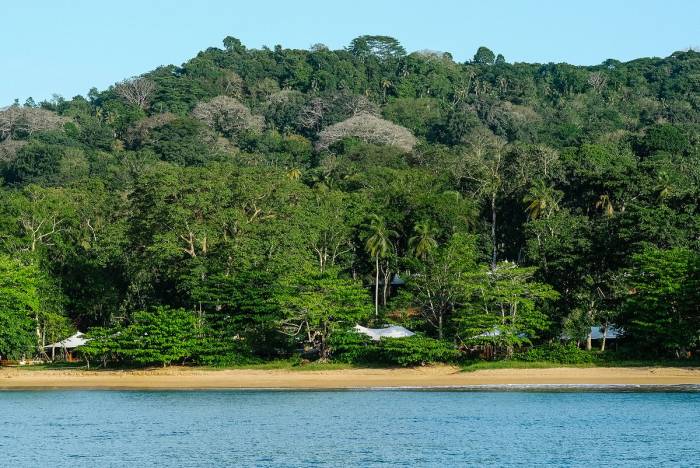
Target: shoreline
432 377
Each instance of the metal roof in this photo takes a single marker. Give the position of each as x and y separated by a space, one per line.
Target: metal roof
611 333
70 342
394 331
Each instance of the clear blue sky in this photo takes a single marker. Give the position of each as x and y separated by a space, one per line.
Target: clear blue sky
68 46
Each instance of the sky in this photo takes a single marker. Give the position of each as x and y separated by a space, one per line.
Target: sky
69 46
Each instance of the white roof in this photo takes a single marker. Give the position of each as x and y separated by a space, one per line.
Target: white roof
612 332
496 332
70 342
597 333
394 331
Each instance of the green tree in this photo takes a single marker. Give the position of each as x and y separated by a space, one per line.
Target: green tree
503 306
435 282
19 307
382 47
484 56
423 241
160 336
378 245
481 169
315 305
541 200
661 313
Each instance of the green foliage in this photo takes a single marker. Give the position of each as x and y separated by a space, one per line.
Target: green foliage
382 47
484 56
422 116
556 353
667 138
229 189
316 304
503 307
161 336
661 310
181 141
352 347
35 162
19 305
416 350
436 283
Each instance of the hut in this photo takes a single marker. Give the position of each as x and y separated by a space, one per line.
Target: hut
66 347
393 331
611 332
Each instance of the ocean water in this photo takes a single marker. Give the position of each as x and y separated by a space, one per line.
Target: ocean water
349 428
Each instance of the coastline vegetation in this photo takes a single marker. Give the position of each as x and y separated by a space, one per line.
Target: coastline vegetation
251 206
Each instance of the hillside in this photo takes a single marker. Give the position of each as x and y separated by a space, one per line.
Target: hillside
253 203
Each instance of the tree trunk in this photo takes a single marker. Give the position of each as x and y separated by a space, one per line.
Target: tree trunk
605 332
40 350
440 326
387 284
376 288
589 343
493 231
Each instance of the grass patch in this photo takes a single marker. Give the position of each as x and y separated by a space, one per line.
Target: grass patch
288 364
487 365
473 366
49 366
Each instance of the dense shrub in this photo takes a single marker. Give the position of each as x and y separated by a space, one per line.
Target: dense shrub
222 354
414 351
352 347
563 354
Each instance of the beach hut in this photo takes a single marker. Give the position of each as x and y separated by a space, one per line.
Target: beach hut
393 331
67 347
603 334
598 334
611 332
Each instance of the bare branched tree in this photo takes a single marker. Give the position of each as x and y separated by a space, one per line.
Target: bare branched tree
9 148
357 104
370 129
321 112
136 91
228 116
597 80
21 122
311 116
232 84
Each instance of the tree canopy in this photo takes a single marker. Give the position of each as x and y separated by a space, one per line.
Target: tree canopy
258 203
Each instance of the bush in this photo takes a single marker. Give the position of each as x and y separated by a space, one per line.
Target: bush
562 354
221 351
416 350
161 336
355 348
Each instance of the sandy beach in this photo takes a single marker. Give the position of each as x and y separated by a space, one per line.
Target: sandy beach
434 376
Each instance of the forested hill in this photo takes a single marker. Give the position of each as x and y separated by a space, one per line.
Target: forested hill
254 202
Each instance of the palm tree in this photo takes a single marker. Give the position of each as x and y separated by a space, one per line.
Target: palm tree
423 242
663 186
604 203
378 245
294 173
386 84
541 200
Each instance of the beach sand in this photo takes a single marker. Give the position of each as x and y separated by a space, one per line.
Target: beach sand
432 376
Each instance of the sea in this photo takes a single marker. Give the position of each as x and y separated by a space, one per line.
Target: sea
479 426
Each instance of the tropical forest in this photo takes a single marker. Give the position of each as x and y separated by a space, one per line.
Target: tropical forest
255 205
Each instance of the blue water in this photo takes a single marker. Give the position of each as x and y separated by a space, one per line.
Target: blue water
341 428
